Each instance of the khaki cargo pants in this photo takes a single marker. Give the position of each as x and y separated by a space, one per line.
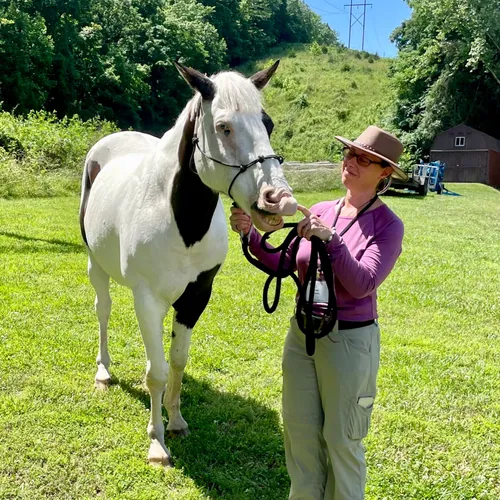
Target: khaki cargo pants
327 405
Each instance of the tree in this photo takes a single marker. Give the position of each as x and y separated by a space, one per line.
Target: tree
448 69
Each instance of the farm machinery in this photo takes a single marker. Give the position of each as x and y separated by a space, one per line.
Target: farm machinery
424 177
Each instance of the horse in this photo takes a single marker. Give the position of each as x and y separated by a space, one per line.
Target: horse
152 219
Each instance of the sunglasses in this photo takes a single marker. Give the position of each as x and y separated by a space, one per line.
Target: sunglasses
361 160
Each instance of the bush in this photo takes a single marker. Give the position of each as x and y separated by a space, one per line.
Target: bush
315 49
354 85
301 101
43 156
345 68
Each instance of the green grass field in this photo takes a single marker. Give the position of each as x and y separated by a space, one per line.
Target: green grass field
436 425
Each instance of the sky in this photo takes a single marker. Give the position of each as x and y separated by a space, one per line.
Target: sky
381 19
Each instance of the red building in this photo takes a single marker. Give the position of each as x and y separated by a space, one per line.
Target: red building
470 155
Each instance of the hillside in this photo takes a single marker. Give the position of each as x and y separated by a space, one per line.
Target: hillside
315 96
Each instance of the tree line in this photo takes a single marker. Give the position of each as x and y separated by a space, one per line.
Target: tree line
113 58
447 71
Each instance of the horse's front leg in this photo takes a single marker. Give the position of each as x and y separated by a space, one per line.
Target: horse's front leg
188 310
150 314
179 348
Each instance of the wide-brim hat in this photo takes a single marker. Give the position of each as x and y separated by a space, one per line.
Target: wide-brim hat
381 144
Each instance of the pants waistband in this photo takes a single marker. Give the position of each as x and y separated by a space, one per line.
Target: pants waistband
350 325
343 324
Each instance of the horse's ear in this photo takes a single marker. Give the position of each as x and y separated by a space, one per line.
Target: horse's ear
261 78
197 81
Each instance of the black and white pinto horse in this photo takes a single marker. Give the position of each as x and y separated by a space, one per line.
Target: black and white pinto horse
152 219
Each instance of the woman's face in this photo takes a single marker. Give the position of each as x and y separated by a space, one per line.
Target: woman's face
362 171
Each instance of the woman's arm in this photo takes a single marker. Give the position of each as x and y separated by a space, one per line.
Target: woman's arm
361 278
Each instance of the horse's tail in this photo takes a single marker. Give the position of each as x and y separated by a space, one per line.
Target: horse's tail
92 168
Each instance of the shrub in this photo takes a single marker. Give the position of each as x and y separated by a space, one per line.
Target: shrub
354 85
315 48
345 67
301 101
342 114
43 156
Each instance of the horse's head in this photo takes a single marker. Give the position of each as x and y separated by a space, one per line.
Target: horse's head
233 154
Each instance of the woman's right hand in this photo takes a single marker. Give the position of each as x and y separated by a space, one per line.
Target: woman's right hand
240 221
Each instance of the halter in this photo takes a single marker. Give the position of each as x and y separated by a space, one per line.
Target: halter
242 168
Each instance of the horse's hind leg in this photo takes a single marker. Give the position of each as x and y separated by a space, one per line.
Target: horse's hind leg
100 282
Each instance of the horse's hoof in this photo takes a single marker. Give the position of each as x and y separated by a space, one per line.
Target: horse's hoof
159 456
173 433
102 385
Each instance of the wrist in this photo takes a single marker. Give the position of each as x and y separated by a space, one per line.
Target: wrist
329 239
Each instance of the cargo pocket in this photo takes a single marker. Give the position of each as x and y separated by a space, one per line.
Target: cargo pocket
359 417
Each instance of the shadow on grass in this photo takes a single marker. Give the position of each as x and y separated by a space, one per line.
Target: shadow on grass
57 246
235 447
404 194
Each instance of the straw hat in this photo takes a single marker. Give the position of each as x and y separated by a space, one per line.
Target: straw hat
381 144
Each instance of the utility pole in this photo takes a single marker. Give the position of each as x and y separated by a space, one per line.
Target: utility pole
357 19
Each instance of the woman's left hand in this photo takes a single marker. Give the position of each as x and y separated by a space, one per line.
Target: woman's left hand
312 225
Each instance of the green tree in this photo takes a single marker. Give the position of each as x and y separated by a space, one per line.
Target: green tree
448 69
26 57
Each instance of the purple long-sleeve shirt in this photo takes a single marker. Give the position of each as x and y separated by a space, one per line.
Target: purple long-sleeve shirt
361 259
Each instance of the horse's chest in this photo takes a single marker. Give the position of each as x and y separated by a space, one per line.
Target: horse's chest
169 266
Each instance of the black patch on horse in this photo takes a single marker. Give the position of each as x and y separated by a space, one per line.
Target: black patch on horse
193 202
91 170
268 123
194 299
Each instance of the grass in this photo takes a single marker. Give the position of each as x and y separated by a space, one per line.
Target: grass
314 96
435 432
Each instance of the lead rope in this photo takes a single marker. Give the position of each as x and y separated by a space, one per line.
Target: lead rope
304 303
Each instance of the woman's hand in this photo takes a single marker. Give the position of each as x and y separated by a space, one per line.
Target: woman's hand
312 225
240 221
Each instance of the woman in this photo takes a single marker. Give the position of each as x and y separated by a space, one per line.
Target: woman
328 397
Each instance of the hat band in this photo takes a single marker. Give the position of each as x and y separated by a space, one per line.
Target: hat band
370 148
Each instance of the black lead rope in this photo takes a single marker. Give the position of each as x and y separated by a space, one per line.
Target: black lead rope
305 302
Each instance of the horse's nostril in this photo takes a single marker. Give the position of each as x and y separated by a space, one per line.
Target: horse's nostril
271 197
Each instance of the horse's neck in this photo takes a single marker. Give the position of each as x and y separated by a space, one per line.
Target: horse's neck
193 203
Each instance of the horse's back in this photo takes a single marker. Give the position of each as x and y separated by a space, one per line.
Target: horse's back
111 148
119 144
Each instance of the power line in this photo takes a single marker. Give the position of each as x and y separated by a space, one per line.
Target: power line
328 13
335 7
357 19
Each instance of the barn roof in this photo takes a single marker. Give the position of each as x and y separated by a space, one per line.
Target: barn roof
489 141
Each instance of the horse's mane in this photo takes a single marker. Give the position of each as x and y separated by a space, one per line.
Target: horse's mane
234 93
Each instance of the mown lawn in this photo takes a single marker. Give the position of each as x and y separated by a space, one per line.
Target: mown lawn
436 426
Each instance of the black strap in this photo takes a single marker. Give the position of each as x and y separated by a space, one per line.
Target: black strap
241 168
358 215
